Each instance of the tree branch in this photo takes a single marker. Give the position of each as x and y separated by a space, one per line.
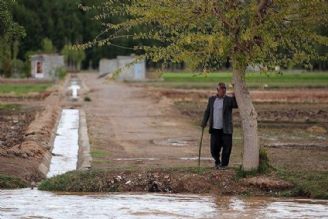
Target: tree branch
224 20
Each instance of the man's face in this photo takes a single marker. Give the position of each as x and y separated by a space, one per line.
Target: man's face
221 91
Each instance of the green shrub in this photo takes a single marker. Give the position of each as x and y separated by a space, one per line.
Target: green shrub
307 184
264 165
10 182
87 99
241 173
77 181
61 73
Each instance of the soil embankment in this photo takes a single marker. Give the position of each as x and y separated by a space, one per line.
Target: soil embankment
169 180
28 128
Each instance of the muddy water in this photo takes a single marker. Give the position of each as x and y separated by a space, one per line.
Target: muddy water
65 149
261 207
36 204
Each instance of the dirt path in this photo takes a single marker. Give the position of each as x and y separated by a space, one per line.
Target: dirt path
128 127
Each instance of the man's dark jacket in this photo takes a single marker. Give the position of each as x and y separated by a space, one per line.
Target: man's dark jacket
228 104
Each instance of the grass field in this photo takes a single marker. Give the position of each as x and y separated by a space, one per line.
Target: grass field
22 89
253 80
12 107
309 184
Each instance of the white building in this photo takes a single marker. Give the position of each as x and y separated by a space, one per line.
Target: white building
107 66
45 66
127 67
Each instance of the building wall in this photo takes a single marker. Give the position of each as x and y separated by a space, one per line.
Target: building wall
140 70
107 66
129 68
126 66
50 64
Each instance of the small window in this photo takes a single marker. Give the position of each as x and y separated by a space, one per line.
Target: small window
39 67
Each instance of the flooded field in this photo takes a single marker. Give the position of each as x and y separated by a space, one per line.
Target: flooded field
28 203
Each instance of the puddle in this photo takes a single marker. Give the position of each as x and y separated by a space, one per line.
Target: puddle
156 159
33 203
136 159
179 142
66 143
261 207
28 203
301 146
195 158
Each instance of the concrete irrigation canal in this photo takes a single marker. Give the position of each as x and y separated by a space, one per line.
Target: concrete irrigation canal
65 151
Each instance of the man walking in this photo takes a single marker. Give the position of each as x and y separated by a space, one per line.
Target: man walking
219 114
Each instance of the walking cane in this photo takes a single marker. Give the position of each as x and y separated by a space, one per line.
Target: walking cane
200 147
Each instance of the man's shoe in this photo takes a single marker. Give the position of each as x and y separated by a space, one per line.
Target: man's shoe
217 166
222 167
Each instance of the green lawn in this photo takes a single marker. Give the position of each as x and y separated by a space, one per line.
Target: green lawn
22 89
255 80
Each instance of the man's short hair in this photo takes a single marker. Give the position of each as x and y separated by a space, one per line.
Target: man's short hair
222 85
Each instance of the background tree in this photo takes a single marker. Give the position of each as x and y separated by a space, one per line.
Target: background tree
11 34
73 57
249 32
63 22
47 46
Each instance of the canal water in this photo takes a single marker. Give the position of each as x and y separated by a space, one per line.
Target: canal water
27 203
66 147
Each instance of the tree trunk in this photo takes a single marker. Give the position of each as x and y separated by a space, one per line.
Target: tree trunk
248 120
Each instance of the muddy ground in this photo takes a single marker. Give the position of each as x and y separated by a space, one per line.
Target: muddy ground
287 130
26 124
14 120
136 125
14 124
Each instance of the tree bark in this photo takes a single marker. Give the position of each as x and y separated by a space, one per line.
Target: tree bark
248 120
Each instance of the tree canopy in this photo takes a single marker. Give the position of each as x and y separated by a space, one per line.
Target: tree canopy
265 33
10 35
281 32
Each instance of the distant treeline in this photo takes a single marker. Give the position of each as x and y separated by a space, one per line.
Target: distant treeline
64 23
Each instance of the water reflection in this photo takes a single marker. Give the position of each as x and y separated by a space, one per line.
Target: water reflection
27 203
36 204
262 207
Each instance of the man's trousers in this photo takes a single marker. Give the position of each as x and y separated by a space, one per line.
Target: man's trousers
221 141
